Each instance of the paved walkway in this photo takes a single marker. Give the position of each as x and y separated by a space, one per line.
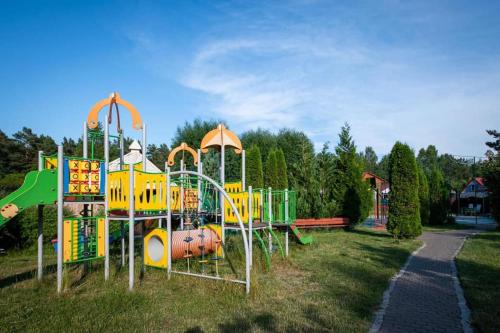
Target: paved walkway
426 294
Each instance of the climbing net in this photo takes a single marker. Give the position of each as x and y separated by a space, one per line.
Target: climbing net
198 245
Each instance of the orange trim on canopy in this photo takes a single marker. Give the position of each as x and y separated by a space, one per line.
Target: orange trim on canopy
221 136
93 117
182 147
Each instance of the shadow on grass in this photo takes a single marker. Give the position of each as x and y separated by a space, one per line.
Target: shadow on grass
26 275
371 233
264 321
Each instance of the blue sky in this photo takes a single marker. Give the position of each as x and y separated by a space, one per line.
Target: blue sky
423 72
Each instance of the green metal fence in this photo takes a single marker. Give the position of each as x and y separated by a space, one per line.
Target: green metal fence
279 200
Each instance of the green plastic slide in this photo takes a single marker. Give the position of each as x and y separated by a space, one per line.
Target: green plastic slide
39 188
304 240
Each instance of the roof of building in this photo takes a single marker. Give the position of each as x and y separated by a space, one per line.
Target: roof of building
133 156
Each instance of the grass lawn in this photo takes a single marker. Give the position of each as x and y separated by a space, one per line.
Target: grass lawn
479 271
445 227
333 285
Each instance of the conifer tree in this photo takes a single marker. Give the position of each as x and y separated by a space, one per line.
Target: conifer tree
254 176
271 170
437 197
282 175
423 195
404 207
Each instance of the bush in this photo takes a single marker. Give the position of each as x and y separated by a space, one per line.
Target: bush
404 207
438 197
22 230
423 195
492 178
253 169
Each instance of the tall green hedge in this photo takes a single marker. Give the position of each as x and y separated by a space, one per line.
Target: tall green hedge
423 195
282 179
437 197
271 170
253 171
404 207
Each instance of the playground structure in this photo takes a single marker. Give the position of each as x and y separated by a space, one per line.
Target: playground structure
192 213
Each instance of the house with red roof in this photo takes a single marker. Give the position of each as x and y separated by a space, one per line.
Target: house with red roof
474 197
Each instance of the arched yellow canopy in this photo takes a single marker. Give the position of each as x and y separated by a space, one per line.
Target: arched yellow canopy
182 147
93 118
219 137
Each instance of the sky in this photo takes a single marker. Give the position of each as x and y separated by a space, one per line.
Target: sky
422 72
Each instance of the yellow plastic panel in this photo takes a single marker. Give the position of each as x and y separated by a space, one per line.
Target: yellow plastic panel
74 176
84 188
95 165
84 165
218 230
150 191
100 237
155 248
95 188
256 205
118 190
74 164
233 187
50 162
74 188
190 202
84 176
94 177
240 200
70 240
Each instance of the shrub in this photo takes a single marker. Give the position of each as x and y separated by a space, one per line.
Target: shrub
438 204
404 207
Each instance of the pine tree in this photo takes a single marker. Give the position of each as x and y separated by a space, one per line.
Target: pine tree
282 176
254 176
271 175
349 190
371 160
423 195
492 173
437 197
404 207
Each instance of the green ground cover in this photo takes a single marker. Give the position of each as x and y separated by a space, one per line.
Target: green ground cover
479 270
333 285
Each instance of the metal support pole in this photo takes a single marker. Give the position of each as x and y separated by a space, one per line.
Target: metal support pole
222 201
243 167
122 241
286 221
144 159
181 195
144 147
131 223
60 217
270 212
40 225
199 182
169 225
106 203
85 142
261 206
250 225
475 189
122 223
122 151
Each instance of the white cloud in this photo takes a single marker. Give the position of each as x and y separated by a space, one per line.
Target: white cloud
316 72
